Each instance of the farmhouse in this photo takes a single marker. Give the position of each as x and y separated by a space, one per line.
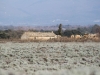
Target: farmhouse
38 36
76 36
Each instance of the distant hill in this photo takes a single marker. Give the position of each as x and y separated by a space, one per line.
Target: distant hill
53 27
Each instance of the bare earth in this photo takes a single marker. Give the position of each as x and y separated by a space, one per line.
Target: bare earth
50 58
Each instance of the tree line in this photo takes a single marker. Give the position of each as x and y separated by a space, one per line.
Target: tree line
79 31
10 34
16 34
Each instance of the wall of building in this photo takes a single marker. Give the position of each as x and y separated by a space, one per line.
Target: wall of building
31 36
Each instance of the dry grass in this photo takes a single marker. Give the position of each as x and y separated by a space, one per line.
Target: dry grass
61 39
66 39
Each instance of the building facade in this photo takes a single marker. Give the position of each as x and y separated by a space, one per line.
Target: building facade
38 36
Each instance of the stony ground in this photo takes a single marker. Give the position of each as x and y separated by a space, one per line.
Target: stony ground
71 58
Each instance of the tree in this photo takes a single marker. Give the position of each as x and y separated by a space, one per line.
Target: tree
68 33
60 30
95 29
98 31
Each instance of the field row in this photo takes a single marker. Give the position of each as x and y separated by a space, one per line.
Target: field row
30 58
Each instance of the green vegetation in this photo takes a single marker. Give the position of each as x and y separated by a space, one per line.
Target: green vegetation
80 31
16 34
68 33
10 34
60 30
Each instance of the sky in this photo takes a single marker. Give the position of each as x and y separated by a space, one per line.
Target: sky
49 12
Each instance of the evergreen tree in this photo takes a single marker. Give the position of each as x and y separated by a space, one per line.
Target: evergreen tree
60 30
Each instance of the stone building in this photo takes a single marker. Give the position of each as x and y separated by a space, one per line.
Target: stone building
38 36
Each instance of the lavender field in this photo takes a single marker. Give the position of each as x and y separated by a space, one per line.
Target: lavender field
50 58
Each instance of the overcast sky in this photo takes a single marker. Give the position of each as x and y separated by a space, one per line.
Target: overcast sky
50 12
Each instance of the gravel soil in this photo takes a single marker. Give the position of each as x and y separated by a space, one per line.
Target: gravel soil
50 58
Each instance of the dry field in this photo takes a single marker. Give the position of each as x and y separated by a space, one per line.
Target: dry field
50 58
